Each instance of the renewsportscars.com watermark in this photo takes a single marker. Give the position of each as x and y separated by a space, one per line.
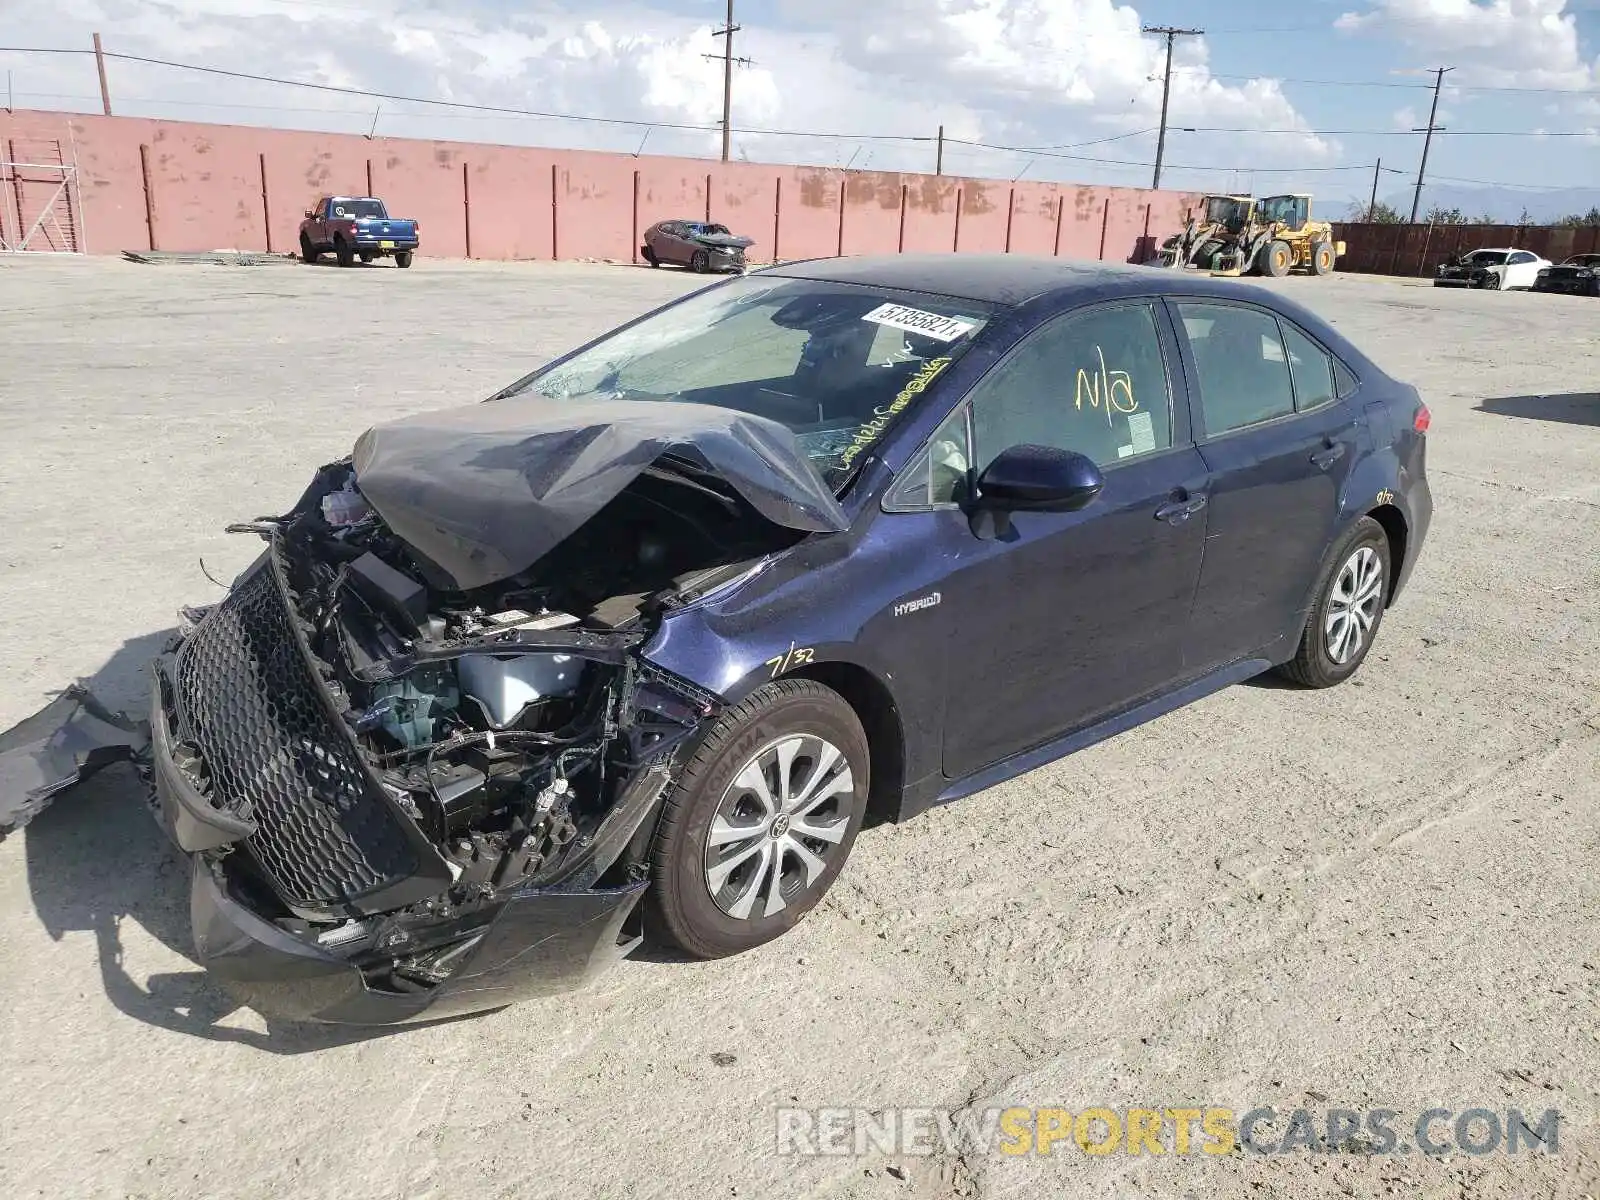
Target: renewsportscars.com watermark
1180 1130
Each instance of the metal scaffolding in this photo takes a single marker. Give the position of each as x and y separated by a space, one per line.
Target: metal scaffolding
41 206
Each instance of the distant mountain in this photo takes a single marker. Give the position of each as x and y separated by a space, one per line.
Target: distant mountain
1504 204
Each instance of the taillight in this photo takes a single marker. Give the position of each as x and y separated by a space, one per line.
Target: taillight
1423 420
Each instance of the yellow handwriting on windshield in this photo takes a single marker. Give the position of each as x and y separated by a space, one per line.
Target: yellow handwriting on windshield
1108 391
884 413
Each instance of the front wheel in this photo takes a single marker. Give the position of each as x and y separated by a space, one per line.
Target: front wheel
402 258
700 263
1276 259
367 256
761 820
1322 259
1344 621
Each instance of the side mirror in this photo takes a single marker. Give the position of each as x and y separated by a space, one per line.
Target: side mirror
1031 478
308 212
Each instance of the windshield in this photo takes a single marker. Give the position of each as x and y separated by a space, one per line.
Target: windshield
1227 212
1286 210
356 208
1487 258
835 363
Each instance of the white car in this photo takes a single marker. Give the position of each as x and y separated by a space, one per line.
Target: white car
1495 269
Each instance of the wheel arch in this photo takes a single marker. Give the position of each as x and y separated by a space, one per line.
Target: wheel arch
1398 532
875 708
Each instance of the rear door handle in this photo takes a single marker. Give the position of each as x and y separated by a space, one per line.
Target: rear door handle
1326 458
1180 510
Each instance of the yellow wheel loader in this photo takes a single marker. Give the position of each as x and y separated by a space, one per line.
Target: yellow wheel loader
1219 223
1281 237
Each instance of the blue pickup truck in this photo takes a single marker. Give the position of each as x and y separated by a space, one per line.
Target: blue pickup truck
356 227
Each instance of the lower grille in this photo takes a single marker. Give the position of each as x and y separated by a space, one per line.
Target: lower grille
326 834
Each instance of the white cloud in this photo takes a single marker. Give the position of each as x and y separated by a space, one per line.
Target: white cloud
1502 43
1036 73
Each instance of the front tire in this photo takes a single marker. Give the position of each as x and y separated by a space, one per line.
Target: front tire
1322 259
1351 594
761 820
1276 259
700 263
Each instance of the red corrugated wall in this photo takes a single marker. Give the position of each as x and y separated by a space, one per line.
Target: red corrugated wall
171 185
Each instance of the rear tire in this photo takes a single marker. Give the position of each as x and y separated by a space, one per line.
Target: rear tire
733 837
402 258
1343 623
700 263
343 251
649 256
1276 259
308 254
1322 259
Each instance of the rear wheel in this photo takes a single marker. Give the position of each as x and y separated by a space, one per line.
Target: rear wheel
761 820
402 258
1276 259
308 254
1322 259
700 263
649 256
344 252
1344 621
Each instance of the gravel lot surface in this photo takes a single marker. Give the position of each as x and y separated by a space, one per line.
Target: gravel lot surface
1382 895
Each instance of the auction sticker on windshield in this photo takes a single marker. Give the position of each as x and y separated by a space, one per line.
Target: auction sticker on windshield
915 320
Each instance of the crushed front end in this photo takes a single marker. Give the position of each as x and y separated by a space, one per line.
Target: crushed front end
402 799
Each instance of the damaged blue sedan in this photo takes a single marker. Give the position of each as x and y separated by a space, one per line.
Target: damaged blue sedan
636 646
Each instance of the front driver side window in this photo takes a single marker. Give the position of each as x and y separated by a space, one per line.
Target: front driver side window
1094 382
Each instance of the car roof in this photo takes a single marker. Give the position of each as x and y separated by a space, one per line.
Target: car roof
1011 279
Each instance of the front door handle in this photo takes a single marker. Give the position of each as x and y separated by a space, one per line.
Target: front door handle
1327 457
1179 511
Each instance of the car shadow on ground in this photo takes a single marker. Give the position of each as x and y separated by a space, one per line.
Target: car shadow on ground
1570 408
96 860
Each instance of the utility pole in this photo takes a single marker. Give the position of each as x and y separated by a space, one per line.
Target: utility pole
1372 207
1169 32
938 160
1438 81
100 64
727 31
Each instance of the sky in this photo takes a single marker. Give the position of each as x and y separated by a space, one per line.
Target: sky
1271 97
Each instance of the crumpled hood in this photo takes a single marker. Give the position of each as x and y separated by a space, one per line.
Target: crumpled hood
483 492
731 240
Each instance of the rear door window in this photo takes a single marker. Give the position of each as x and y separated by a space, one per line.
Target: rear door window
1242 368
1312 369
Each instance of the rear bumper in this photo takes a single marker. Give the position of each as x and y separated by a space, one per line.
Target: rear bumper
535 942
1419 505
385 245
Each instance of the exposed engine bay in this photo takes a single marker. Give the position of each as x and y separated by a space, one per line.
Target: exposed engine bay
502 721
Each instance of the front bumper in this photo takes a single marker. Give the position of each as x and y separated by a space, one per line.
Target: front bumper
534 942
1570 287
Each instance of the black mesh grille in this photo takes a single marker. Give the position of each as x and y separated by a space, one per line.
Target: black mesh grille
248 702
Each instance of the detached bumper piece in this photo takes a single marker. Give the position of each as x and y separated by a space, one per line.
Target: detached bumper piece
66 741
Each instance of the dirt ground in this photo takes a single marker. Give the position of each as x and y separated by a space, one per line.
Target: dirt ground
1380 896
